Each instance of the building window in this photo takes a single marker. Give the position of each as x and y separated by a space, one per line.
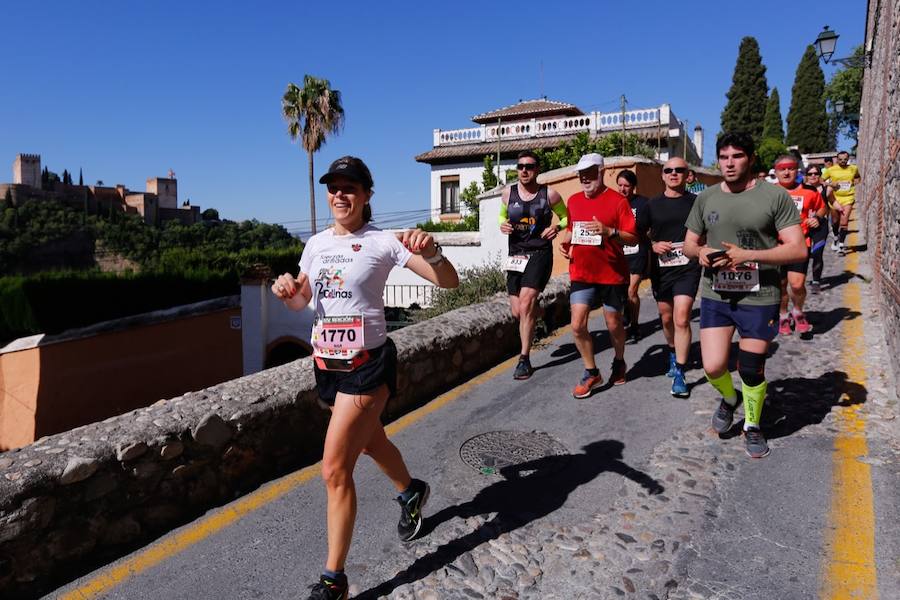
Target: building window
449 195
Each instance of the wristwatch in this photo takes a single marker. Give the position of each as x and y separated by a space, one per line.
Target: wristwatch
437 257
615 233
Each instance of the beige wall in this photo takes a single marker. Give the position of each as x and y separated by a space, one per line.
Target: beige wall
59 386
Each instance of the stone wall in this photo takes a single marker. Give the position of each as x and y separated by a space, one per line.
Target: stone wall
75 500
879 160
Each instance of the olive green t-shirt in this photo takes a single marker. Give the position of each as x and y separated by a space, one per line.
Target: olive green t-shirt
751 220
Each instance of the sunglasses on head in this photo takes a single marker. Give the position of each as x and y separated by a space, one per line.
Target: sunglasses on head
526 166
679 170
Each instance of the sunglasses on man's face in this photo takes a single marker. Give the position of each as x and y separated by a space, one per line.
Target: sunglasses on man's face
812 173
679 170
526 166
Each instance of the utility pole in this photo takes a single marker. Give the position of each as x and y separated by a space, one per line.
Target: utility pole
623 124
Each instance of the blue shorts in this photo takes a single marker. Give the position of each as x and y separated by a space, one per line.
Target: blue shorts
612 297
752 322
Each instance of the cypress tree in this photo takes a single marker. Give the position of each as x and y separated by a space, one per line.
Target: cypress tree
746 104
807 122
80 177
773 126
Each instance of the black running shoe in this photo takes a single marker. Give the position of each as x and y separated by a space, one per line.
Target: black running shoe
330 589
721 419
755 443
411 510
524 370
634 335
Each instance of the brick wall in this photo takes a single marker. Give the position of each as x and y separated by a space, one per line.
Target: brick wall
879 159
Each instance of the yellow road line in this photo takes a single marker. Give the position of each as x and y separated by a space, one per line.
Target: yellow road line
223 517
850 570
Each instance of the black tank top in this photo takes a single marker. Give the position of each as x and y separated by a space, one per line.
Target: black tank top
528 220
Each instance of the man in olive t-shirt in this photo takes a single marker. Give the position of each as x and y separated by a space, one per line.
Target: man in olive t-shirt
741 220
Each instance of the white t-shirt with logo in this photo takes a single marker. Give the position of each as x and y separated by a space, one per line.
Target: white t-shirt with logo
347 274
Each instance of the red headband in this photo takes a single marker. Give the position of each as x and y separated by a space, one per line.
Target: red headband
786 164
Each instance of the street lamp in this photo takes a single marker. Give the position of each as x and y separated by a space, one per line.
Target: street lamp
825 46
826 43
838 106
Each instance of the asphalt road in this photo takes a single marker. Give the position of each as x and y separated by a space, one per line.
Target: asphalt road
764 535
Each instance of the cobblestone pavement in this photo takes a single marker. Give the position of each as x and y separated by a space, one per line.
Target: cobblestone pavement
646 544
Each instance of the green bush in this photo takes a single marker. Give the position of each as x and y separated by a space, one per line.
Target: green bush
469 223
476 284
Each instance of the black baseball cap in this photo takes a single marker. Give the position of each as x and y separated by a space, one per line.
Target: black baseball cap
351 168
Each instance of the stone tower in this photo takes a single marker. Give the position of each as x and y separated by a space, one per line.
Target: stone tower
166 188
27 170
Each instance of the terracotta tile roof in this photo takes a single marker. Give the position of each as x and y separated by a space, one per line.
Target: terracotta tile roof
528 109
477 151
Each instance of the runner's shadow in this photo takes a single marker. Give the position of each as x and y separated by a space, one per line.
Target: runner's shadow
518 499
833 281
793 403
566 353
825 321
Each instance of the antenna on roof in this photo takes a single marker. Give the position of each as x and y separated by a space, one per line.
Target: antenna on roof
542 80
171 174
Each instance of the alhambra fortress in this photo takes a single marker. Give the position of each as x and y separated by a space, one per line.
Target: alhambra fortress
156 205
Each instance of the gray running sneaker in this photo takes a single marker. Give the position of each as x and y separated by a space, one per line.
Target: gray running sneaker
755 443
524 370
411 510
722 418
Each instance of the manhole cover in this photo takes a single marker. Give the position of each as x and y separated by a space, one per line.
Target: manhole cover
490 452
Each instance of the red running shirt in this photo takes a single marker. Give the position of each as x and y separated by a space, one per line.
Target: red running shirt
808 201
605 263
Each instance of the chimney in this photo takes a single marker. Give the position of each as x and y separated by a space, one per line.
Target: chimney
698 144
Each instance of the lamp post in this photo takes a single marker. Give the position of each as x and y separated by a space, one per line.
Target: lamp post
825 45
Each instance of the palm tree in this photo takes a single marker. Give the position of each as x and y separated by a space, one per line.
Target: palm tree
312 112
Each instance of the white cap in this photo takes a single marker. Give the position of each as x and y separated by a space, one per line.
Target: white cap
589 160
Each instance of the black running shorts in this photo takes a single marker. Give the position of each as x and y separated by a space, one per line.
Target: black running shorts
536 274
381 368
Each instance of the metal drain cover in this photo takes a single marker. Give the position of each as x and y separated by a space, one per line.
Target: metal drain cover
489 452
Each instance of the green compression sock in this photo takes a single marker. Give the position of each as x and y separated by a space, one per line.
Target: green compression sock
754 396
725 387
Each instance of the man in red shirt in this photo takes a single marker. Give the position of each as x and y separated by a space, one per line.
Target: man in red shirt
809 203
600 222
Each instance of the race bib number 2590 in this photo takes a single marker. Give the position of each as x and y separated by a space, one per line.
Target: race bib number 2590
582 236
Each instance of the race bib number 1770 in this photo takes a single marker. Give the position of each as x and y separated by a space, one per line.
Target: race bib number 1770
339 335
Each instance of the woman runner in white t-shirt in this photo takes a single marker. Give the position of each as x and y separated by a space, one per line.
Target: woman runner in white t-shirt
355 361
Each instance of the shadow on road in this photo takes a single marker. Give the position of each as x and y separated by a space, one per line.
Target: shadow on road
517 501
825 321
833 281
793 403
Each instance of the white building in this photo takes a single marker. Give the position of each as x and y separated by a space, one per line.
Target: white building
457 156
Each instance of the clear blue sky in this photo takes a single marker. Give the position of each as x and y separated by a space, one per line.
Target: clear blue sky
127 90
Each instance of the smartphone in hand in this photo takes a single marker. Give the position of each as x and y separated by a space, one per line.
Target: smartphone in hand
714 256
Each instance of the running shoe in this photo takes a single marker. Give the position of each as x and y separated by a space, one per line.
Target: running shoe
524 370
411 510
722 418
784 326
815 287
801 325
679 386
671 372
617 377
634 335
588 384
330 589
843 250
835 245
755 443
